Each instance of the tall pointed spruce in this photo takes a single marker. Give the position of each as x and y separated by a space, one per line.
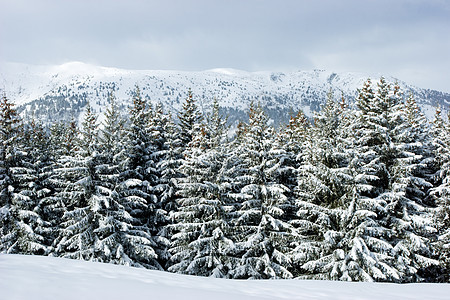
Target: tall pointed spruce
262 235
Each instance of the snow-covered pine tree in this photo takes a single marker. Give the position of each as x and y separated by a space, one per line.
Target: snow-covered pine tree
20 223
391 244
292 140
140 164
179 138
369 136
136 186
75 175
294 134
351 244
32 189
101 224
161 132
96 223
169 159
189 117
201 245
405 158
262 236
441 194
113 232
168 156
62 142
365 254
418 142
325 157
216 126
115 224
418 146
9 123
324 196
63 138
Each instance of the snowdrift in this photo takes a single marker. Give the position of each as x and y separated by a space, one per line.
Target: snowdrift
37 277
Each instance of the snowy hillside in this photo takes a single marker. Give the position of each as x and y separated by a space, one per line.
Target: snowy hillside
36 277
60 92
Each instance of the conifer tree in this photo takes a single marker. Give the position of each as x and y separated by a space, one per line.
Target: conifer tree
292 139
168 156
189 117
99 223
263 236
139 162
62 146
325 192
115 233
21 230
295 133
202 245
418 142
9 126
164 141
216 126
32 179
76 174
136 186
369 256
407 207
169 160
180 139
441 194
393 245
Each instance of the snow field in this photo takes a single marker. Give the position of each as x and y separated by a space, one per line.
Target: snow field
37 277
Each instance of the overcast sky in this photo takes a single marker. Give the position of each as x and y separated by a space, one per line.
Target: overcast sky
409 39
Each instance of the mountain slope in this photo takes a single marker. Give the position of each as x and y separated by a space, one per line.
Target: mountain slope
38 277
52 93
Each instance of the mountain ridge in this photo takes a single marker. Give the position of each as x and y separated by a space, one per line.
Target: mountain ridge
59 92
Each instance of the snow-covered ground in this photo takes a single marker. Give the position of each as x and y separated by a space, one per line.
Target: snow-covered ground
36 277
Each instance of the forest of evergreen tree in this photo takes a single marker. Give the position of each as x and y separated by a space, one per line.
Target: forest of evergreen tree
359 193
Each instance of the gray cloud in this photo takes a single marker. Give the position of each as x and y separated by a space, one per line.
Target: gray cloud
403 38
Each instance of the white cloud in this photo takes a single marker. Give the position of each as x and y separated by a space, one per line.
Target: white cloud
406 38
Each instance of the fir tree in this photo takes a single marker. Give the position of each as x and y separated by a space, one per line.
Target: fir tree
263 236
102 223
202 243
169 153
396 236
21 224
189 117
292 139
76 176
62 146
136 186
161 132
441 194
33 175
216 126
418 143
325 192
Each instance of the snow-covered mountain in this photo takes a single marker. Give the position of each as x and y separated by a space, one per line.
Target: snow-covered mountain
53 93
39 277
